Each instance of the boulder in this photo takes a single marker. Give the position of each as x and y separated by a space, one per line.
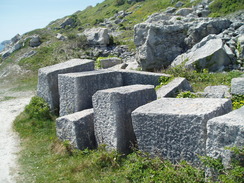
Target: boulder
209 53
68 22
61 37
78 129
35 41
237 86
184 11
175 129
47 86
76 89
220 91
173 88
97 36
225 131
112 111
162 37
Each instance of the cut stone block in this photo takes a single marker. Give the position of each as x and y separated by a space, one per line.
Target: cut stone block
110 62
78 128
175 129
47 87
112 108
140 77
225 131
237 86
76 89
174 87
220 91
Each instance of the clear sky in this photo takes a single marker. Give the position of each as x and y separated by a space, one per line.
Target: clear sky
21 16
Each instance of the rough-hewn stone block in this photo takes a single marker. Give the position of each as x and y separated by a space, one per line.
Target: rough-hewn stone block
141 77
110 62
78 128
225 131
175 129
112 110
47 87
76 89
220 91
237 86
174 87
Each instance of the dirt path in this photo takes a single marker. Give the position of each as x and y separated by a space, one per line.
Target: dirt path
9 140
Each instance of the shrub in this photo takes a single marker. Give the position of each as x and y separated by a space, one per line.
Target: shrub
38 109
119 2
237 101
163 80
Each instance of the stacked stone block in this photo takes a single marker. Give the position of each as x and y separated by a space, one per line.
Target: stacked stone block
76 89
225 131
175 129
47 87
78 129
112 110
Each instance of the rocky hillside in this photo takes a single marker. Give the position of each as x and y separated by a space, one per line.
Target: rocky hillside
147 34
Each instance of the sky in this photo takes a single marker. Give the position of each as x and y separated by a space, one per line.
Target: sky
21 16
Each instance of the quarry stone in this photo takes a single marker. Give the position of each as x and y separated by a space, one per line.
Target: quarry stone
175 129
110 62
97 36
78 129
131 77
173 88
112 111
47 87
76 89
225 131
220 91
237 86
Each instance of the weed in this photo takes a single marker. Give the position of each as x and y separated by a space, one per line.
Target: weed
187 94
237 101
163 80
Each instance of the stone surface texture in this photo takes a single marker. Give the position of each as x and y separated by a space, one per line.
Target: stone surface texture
225 131
97 36
78 129
174 87
237 86
210 53
110 62
175 129
220 91
112 111
76 89
47 87
140 77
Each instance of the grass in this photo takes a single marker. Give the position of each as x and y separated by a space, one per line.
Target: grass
200 80
7 98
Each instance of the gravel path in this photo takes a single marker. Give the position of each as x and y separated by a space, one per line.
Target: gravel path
9 140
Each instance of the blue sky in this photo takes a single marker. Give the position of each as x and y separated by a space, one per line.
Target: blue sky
21 16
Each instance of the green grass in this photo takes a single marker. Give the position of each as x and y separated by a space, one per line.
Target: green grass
224 7
7 98
200 80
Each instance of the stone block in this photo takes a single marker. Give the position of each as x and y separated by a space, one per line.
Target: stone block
47 87
225 131
237 86
76 89
112 111
174 87
78 129
140 77
175 129
110 62
220 91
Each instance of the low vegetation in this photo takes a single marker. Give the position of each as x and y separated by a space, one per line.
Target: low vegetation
45 159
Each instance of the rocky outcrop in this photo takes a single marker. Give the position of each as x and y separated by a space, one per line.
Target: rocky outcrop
97 36
163 37
35 41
